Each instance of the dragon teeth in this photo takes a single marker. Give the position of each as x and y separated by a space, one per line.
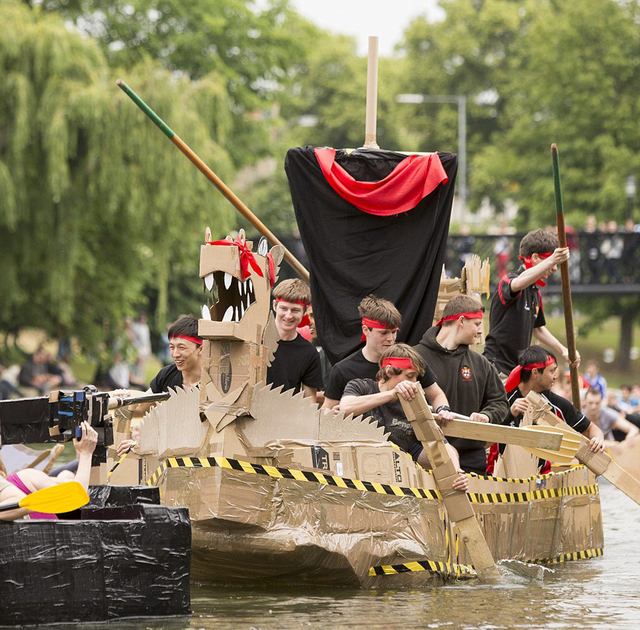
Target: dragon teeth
208 281
206 314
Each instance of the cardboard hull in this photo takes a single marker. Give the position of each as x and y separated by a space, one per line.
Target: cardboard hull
260 525
122 556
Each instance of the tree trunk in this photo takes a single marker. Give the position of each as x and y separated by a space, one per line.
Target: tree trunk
626 337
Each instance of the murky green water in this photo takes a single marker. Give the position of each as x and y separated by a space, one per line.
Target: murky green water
602 593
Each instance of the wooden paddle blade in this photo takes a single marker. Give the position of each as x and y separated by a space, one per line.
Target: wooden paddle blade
568 447
539 438
553 456
64 497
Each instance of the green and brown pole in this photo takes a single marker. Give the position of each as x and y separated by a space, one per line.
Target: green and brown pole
297 266
564 274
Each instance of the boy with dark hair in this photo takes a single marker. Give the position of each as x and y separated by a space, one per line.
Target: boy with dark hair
296 364
380 323
537 371
516 305
399 369
469 381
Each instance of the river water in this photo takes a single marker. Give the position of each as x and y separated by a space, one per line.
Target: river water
601 593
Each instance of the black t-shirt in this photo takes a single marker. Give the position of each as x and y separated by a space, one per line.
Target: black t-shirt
390 415
512 319
355 366
296 363
168 376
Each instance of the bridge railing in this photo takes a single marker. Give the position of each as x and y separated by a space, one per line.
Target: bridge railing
600 261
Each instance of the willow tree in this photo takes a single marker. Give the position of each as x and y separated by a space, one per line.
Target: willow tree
96 207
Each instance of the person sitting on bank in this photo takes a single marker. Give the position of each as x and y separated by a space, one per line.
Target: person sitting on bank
37 373
516 305
608 420
537 371
185 346
471 384
18 485
380 323
400 367
296 364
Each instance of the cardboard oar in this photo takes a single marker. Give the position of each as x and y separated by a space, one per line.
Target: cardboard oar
545 442
457 503
598 463
564 274
64 497
297 266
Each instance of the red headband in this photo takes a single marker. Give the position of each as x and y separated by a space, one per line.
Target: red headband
514 378
528 264
396 362
195 340
452 318
305 321
373 323
246 257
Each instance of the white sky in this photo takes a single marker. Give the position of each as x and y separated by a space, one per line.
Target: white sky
361 18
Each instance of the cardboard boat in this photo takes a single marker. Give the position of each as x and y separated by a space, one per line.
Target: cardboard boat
123 555
280 491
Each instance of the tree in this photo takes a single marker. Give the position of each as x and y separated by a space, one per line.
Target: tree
95 205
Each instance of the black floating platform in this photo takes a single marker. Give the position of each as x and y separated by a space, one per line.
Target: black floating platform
121 556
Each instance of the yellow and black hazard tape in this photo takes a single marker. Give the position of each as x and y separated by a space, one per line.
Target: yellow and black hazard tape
574 555
533 495
355 484
527 479
444 569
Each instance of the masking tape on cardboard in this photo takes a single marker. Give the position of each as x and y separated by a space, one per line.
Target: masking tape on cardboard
444 569
356 484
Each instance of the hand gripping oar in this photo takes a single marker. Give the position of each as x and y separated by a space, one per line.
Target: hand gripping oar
64 497
457 503
598 463
564 274
297 266
546 442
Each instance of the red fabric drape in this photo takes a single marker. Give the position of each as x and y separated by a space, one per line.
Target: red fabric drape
409 182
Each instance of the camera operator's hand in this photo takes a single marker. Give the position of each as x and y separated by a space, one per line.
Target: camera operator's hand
87 443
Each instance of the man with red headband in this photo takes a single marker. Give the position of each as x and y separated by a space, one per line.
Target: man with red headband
516 305
380 323
297 363
400 367
537 371
470 382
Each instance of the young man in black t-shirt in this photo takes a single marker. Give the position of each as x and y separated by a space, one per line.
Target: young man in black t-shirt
380 323
296 364
400 368
537 371
516 306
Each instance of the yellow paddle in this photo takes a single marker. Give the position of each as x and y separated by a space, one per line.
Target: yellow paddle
64 497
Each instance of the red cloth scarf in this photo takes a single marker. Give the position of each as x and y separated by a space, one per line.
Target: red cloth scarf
513 380
452 318
397 362
372 323
409 182
528 264
247 257
195 340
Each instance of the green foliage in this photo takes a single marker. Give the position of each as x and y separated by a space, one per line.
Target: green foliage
96 204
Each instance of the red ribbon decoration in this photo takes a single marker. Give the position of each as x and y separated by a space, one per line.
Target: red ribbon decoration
397 362
373 323
247 257
410 181
195 340
528 264
305 321
452 318
513 379
272 269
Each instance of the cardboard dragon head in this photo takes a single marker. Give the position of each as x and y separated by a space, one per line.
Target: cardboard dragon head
237 324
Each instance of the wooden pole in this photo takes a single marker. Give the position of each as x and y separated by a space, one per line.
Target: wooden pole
457 503
370 128
297 266
564 274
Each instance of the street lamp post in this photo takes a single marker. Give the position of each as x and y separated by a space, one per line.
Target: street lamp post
461 101
630 190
